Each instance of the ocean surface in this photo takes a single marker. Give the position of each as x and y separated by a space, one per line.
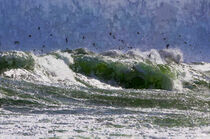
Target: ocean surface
113 94
104 69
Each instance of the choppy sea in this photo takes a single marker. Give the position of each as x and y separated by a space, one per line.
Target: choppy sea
114 94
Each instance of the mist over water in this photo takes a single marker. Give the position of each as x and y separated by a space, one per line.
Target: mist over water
103 25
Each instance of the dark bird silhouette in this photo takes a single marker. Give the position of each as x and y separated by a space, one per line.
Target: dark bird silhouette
43 46
138 33
83 37
185 42
51 35
94 44
66 40
30 36
167 46
38 28
110 33
164 39
16 42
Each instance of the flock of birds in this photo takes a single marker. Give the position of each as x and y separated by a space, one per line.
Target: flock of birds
112 35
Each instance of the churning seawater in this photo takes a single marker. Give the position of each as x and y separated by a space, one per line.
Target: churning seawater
82 94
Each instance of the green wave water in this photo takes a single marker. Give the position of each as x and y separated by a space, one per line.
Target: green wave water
79 93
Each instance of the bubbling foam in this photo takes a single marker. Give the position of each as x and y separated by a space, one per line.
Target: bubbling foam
172 55
134 69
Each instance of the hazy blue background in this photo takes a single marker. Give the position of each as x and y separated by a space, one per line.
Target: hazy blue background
143 24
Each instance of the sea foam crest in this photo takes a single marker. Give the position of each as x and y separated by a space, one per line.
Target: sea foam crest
15 60
170 55
154 69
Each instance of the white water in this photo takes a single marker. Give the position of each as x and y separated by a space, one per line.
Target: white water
50 70
74 108
53 68
82 116
93 125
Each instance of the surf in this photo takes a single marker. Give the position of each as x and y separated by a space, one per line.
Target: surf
155 87
154 69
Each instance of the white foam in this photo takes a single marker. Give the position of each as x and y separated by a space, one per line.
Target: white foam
172 55
203 67
112 53
54 68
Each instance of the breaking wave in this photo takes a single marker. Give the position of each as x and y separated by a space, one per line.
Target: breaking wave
84 83
163 69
